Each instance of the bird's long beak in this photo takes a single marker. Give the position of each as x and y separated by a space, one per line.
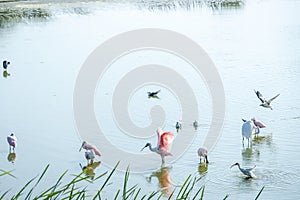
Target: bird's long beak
232 165
81 147
143 148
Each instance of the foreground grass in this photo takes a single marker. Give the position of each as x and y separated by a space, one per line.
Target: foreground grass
73 190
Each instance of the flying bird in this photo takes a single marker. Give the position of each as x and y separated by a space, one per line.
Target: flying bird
153 94
12 141
90 147
202 152
265 103
247 172
164 143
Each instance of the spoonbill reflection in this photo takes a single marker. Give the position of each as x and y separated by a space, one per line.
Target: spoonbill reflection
202 152
247 172
265 103
164 142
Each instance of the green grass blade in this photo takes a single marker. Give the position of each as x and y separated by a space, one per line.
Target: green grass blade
7 173
259 193
105 182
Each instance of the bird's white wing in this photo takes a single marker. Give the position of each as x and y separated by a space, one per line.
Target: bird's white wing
270 100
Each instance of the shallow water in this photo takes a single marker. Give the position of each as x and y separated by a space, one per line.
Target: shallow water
255 46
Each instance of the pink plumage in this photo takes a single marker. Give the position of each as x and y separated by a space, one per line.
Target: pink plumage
258 123
90 147
12 140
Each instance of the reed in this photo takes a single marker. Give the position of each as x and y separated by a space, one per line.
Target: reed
75 189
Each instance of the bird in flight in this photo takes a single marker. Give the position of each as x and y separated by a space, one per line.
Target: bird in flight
153 94
265 103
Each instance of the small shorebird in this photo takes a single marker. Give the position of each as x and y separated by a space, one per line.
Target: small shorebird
12 141
265 103
5 64
178 126
195 124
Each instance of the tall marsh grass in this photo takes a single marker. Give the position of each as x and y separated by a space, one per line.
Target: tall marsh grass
74 188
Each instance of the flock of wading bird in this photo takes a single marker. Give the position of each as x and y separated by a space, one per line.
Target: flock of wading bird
165 139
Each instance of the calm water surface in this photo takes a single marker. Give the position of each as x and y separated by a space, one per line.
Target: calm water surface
255 46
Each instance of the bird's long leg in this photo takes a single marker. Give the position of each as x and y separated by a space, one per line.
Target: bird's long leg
200 160
206 160
163 160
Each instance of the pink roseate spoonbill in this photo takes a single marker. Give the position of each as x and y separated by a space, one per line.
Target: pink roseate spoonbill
247 172
202 152
247 130
258 123
153 94
91 147
164 142
12 141
265 103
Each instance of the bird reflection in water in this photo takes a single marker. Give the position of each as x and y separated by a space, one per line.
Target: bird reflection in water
202 168
164 180
88 170
5 74
12 157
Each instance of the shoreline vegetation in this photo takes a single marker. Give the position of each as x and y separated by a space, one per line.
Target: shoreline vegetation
77 188
16 11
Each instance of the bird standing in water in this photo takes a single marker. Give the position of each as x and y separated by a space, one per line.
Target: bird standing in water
90 147
265 103
202 152
164 142
178 126
196 124
89 155
247 172
12 141
5 64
